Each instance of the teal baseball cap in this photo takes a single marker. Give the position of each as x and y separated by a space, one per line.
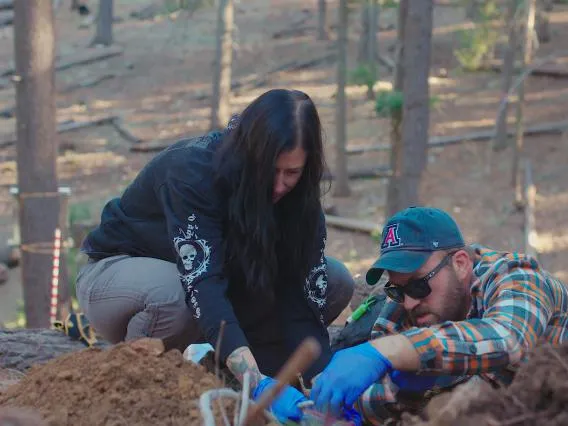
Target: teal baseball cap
409 238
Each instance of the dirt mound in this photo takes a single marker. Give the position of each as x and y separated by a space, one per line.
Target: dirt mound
537 396
124 385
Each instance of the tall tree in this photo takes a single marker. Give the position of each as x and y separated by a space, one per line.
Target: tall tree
221 106
342 178
526 58
104 24
393 201
367 55
322 20
416 94
542 20
34 47
367 51
500 142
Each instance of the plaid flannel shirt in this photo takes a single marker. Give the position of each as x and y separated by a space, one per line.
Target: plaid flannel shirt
515 305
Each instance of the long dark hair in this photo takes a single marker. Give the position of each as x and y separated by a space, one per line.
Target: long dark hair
264 241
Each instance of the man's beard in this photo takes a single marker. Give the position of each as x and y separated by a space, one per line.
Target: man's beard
451 309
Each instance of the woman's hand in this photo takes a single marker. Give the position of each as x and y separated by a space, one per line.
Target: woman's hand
285 405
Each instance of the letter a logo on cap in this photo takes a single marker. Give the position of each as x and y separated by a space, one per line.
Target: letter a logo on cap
391 238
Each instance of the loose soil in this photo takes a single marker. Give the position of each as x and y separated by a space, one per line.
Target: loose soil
123 385
537 396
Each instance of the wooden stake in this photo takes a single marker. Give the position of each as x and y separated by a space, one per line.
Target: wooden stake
55 277
300 360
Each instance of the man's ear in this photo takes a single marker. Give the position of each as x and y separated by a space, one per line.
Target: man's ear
462 264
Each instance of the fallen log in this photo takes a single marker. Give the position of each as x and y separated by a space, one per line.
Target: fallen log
154 146
10 111
87 83
294 27
554 127
123 131
6 18
148 12
352 224
370 173
68 126
6 4
296 31
558 70
65 126
20 349
81 58
255 81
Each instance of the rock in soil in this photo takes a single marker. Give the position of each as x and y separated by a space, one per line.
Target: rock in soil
125 384
537 396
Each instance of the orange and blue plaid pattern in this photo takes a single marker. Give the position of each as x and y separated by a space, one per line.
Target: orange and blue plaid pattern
515 305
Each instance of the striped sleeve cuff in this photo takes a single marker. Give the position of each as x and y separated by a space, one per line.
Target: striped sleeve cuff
427 345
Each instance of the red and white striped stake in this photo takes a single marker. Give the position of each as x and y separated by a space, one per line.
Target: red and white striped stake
55 276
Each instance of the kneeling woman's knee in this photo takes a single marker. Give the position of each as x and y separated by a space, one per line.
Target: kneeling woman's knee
340 280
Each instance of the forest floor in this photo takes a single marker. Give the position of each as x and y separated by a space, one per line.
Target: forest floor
159 87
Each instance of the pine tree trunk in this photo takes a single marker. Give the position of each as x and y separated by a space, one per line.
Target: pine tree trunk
221 107
372 50
416 107
368 43
342 182
104 24
363 51
367 52
508 69
322 20
393 192
543 25
526 58
34 47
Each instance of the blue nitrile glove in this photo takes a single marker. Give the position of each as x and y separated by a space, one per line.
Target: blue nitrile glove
285 405
412 382
349 373
352 416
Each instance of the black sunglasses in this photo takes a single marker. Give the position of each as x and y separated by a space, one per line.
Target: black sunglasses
418 288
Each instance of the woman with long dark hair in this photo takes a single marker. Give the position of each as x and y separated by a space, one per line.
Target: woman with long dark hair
236 218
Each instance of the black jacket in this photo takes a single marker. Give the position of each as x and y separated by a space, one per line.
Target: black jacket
173 211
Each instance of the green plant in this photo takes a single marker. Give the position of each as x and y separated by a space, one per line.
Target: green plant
364 75
20 320
376 235
388 101
389 4
478 43
78 213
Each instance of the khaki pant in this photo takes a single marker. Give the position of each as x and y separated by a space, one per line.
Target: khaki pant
126 298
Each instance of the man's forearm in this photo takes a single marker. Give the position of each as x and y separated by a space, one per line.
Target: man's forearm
399 351
241 361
